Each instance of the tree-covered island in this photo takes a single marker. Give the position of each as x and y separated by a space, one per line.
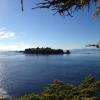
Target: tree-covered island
43 50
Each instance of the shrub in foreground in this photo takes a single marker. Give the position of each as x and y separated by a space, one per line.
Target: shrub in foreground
89 89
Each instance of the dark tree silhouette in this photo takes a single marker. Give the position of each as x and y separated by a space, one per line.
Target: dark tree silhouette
22 5
42 50
97 45
67 7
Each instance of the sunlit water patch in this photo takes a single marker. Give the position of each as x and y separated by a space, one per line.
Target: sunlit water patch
3 94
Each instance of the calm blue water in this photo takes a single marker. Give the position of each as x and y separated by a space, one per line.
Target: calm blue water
20 73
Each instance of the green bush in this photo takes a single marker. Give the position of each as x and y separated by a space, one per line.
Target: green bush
89 89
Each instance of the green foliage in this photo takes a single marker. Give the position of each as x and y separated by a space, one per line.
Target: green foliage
89 89
30 97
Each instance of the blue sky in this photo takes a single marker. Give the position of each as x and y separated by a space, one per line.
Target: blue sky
32 28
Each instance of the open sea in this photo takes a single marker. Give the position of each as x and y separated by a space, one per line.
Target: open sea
24 73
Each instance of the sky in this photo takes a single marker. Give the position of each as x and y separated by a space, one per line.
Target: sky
39 27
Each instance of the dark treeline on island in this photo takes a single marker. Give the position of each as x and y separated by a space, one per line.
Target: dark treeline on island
46 50
42 50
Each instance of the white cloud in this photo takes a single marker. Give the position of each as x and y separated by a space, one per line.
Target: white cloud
5 34
13 47
10 47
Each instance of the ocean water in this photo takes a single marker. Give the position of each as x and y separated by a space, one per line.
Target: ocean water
23 73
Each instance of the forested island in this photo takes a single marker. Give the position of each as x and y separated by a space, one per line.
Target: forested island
46 50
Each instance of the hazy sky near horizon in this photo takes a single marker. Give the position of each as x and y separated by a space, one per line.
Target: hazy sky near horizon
32 28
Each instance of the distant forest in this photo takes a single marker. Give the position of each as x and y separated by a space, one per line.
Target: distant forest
43 50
